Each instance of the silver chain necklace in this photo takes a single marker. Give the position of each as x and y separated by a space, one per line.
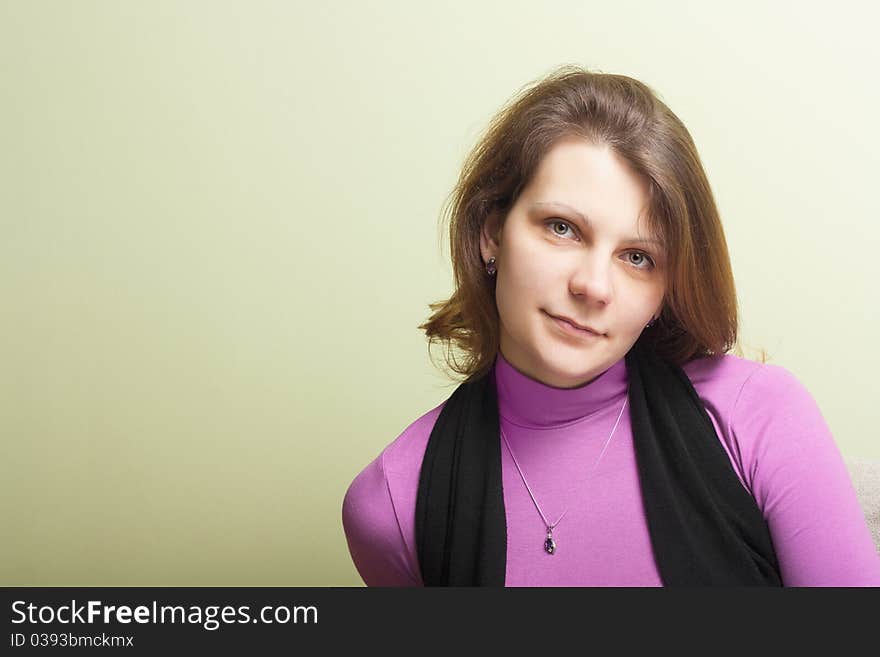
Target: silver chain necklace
549 543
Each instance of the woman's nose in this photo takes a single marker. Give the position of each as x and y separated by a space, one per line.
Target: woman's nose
591 278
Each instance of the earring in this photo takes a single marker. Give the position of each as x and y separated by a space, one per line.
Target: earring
651 323
490 266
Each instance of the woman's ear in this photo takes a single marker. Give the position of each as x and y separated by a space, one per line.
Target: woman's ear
490 236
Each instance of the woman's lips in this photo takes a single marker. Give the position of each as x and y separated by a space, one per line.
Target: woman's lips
572 329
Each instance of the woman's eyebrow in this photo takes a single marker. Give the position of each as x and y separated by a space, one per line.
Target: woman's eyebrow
586 220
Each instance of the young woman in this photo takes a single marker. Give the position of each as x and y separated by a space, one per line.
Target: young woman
602 435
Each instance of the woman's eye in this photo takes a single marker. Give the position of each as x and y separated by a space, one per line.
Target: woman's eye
642 258
556 223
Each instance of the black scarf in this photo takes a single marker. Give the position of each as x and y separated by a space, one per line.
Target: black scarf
706 529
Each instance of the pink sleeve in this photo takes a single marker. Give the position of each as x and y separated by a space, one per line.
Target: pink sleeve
802 485
375 541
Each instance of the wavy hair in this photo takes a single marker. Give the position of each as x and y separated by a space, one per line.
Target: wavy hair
699 315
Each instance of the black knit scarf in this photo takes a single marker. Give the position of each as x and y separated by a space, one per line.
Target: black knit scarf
706 529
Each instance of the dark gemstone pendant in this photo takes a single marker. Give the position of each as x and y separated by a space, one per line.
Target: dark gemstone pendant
549 545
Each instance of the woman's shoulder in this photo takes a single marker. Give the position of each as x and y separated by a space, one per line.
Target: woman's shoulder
757 402
408 449
399 458
761 411
766 414
725 379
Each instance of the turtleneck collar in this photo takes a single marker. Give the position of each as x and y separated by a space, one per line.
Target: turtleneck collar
530 403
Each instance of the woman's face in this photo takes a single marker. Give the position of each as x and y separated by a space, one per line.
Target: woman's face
592 269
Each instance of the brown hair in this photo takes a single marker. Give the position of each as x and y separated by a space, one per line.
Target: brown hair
699 316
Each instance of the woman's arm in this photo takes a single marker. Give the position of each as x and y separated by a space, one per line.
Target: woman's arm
801 483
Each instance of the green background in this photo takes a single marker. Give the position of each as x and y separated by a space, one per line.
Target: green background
220 231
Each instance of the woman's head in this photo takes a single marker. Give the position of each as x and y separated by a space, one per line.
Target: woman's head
605 147
570 248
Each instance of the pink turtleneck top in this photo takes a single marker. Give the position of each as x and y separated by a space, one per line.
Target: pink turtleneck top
770 426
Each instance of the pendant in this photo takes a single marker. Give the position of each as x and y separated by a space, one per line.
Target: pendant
549 544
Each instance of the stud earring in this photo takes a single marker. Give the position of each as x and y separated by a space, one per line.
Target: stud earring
490 266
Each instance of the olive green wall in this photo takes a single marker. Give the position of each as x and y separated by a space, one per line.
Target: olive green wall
219 233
